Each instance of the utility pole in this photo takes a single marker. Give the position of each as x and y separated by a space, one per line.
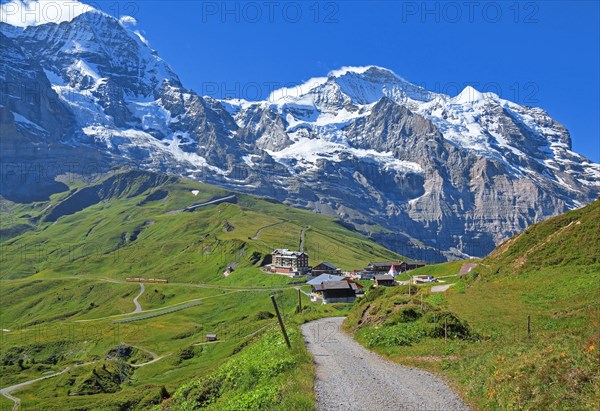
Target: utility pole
287 340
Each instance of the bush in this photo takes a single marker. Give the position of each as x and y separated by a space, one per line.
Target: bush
247 381
164 394
373 294
400 334
439 322
186 353
264 315
406 314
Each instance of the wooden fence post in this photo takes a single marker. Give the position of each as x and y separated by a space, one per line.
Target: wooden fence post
287 340
299 301
446 330
529 326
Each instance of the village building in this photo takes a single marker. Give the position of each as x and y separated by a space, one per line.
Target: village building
384 280
384 267
336 291
324 277
325 268
352 280
360 292
289 262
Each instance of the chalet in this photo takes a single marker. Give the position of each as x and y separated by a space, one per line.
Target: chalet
384 280
353 281
385 267
364 275
289 262
336 291
325 268
211 337
324 277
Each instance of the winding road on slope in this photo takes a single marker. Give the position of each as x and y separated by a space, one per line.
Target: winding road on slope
260 230
301 245
7 391
350 377
206 203
138 307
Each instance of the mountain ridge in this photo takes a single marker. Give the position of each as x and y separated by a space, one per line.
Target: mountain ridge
447 176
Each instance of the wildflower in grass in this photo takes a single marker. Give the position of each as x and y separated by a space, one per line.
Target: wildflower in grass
591 348
491 393
550 350
563 354
496 372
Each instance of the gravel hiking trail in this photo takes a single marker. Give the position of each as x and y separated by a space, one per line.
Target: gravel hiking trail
350 377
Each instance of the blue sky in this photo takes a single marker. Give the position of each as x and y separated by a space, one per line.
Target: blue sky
540 53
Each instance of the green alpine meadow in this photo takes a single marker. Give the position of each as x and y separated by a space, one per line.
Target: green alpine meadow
68 310
299 205
519 331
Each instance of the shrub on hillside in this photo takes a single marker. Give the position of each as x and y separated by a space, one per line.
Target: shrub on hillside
438 323
264 315
399 334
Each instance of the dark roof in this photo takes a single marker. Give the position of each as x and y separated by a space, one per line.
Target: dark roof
327 264
324 277
382 264
385 277
389 263
350 280
334 285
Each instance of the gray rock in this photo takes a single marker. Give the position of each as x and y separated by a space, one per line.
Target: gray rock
363 145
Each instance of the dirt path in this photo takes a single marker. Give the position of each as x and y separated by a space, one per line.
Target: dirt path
301 246
240 338
199 205
440 288
6 392
155 357
138 307
153 310
350 377
260 230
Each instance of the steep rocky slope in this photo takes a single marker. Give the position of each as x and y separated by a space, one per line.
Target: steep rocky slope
447 177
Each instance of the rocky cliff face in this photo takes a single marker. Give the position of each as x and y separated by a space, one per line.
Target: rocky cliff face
446 177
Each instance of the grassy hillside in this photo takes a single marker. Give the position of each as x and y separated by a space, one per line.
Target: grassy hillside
66 305
550 272
265 375
128 231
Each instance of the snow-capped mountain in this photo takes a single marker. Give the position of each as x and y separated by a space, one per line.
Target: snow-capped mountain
445 176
